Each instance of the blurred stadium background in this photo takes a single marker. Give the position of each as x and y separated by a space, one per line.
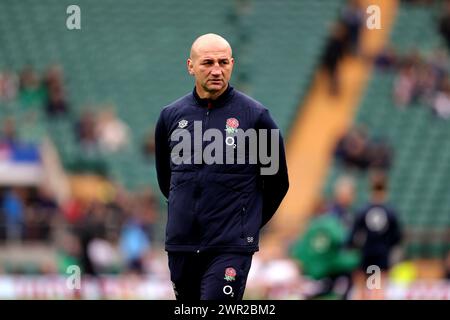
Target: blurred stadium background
77 110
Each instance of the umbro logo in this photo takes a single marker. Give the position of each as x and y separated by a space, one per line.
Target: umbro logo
182 124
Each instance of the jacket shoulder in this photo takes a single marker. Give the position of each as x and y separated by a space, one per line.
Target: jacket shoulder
251 102
177 104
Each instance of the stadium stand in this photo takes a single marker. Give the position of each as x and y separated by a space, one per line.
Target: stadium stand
132 58
113 60
419 175
129 58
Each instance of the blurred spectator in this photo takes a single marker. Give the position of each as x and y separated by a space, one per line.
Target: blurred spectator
404 86
35 129
36 225
447 266
352 149
344 195
31 92
134 244
439 64
113 133
380 154
41 210
444 23
91 227
85 131
54 77
56 103
333 53
8 133
148 208
386 59
103 256
56 98
323 257
352 17
423 80
376 231
73 211
426 82
8 86
13 210
357 151
68 250
118 205
441 103
148 147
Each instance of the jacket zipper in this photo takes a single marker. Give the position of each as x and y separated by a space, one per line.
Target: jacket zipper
207 120
199 178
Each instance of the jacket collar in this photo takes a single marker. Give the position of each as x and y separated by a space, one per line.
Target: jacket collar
219 102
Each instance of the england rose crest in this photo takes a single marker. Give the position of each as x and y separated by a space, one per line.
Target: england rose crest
231 125
230 274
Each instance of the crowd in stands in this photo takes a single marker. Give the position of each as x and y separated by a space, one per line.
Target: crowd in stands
419 79
344 40
35 92
341 242
111 235
444 23
102 131
98 129
116 234
8 86
357 150
18 147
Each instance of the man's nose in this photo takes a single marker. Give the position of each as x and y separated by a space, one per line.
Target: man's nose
216 70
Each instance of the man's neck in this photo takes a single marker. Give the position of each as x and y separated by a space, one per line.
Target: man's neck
378 198
209 95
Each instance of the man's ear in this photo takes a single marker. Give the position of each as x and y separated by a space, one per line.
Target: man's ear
190 66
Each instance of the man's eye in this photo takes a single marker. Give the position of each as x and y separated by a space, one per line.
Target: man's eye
224 62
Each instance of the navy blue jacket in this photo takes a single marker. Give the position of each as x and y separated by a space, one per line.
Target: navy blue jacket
216 207
376 230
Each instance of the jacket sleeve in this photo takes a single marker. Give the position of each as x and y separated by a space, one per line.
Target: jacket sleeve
276 185
162 156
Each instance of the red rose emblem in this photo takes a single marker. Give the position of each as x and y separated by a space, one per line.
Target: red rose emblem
233 123
230 272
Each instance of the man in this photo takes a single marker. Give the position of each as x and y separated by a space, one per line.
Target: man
376 231
215 209
323 257
344 194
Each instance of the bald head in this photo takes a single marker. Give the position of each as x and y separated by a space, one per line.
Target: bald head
209 42
344 191
211 63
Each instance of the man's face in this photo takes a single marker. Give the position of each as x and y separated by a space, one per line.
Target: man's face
211 66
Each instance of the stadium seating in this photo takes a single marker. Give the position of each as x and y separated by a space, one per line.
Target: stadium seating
421 170
133 57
